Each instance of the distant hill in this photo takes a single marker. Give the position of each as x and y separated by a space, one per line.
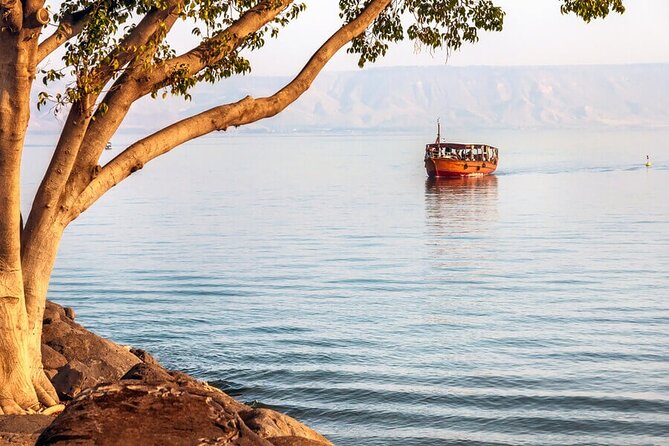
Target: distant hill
411 98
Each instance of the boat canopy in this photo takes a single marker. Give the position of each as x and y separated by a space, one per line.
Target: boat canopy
470 152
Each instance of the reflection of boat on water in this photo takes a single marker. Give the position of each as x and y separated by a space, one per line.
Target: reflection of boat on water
463 204
459 188
448 159
476 185
460 217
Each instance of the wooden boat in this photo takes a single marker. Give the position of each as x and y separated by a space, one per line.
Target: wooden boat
447 159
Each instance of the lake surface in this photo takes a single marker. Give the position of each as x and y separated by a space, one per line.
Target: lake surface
324 276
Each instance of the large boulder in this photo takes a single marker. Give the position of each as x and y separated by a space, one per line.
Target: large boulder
152 406
271 424
148 414
75 358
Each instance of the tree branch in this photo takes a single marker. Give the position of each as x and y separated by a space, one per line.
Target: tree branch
134 84
227 40
69 27
46 205
220 118
126 51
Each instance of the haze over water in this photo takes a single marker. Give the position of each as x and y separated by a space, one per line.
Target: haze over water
326 277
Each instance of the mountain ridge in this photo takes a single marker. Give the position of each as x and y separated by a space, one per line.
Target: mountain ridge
411 98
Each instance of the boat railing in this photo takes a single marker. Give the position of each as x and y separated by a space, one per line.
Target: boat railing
464 152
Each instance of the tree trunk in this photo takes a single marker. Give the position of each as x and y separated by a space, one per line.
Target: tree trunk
16 390
38 258
22 383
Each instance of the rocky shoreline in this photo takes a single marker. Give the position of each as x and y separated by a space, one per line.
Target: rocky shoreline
116 395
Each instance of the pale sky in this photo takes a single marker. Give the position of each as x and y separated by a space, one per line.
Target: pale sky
535 33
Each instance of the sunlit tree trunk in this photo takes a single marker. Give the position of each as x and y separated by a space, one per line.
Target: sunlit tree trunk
16 389
22 284
38 258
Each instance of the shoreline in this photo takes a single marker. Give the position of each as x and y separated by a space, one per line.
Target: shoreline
121 395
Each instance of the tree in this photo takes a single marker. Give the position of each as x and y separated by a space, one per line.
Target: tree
118 51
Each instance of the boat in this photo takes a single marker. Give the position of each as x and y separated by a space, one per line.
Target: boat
448 159
108 146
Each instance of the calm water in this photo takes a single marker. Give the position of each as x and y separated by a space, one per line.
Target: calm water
325 277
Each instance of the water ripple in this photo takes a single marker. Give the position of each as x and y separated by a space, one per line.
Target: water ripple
526 308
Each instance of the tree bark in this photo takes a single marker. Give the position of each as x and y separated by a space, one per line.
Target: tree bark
22 382
16 390
37 261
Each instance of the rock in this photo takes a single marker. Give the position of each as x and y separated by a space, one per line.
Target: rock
268 423
72 378
131 412
53 311
148 373
152 406
22 430
90 359
51 358
144 356
155 373
69 313
294 441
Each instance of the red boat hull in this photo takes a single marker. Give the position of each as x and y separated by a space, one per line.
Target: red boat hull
443 168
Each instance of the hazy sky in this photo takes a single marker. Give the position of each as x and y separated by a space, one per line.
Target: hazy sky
535 33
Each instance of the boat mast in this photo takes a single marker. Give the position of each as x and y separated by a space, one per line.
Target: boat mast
438 132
